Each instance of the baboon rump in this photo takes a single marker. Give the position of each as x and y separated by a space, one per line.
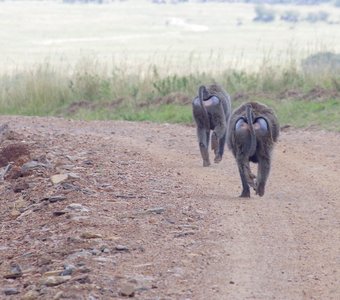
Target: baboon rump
259 110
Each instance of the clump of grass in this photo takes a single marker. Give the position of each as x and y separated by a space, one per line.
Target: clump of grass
304 113
120 93
164 113
38 91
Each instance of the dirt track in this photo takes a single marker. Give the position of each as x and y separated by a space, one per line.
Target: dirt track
150 222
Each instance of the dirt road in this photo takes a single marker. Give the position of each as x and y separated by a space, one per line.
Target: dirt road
134 214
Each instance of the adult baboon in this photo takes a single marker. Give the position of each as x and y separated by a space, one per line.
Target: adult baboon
211 111
253 129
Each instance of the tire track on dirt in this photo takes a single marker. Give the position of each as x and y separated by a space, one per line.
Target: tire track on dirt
285 244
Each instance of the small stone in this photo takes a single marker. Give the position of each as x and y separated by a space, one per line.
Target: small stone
36 207
90 235
127 290
58 178
44 260
73 176
88 162
78 218
160 192
15 213
15 272
82 279
12 172
177 271
156 210
33 164
31 295
68 270
95 252
4 171
80 254
54 280
113 238
59 213
104 249
58 295
20 204
188 226
77 207
70 187
11 291
121 248
142 283
102 260
215 288
84 269
55 198
20 186
52 273
184 233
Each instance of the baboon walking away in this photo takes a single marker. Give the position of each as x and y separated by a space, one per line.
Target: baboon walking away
253 130
211 111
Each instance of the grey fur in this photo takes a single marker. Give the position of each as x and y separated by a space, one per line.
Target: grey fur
211 111
253 130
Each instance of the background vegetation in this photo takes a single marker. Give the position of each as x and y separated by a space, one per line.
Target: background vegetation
90 62
300 96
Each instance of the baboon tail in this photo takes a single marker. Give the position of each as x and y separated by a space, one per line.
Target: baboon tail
201 92
250 121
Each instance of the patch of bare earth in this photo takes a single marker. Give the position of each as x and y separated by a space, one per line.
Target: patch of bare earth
110 210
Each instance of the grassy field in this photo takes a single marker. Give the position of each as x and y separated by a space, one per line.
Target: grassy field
136 60
182 37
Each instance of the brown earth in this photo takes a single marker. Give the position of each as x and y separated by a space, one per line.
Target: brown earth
134 214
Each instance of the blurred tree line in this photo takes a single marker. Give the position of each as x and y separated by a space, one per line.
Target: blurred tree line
298 2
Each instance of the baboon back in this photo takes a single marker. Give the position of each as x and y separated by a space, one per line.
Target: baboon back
214 112
259 110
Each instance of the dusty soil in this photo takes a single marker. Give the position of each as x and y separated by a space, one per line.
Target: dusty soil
134 214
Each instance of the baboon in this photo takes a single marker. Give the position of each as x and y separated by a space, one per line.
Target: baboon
211 111
253 130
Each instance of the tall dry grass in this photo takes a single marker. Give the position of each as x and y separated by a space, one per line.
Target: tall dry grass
118 92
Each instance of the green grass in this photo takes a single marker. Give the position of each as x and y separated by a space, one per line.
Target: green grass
325 114
90 91
164 113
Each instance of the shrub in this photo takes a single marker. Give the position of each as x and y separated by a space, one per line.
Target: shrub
320 16
290 16
322 62
264 14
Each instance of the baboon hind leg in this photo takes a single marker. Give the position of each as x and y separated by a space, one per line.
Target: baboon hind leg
262 174
203 138
219 137
243 170
262 131
251 178
214 141
219 150
215 146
